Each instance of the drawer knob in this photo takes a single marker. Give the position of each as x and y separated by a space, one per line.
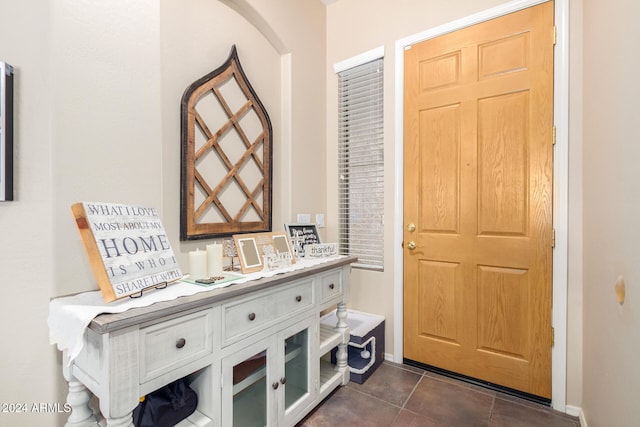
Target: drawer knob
299 298
252 316
275 385
181 343
331 286
283 380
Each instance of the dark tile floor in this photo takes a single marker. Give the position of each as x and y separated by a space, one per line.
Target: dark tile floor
399 395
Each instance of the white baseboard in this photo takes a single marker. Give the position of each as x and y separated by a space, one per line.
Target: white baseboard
583 420
576 411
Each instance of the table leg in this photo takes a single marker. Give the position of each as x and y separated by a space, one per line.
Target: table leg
78 398
342 353
341 313
126 421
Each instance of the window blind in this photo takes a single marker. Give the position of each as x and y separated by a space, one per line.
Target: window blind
361 163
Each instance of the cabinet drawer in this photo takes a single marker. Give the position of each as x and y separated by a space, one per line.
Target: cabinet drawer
249 315
330 286
174 343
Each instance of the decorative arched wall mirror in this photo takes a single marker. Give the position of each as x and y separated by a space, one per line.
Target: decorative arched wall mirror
226 161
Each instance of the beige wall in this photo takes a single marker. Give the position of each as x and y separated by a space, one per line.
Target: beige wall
27 362
611 212
357 26
97 97
183 61
575 261
105 126
97 92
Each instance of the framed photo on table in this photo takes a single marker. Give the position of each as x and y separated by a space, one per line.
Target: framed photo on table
301 235
250 259
268 251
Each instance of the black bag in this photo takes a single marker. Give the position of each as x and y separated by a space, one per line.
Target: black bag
166 406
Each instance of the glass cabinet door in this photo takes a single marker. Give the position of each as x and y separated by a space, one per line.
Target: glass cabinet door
269 382
298 384
296 350
246 394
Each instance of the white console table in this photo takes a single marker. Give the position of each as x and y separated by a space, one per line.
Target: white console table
255 352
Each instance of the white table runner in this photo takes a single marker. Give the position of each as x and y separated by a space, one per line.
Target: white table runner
70 316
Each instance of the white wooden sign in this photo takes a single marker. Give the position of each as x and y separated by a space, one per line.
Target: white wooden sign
321 250
127 246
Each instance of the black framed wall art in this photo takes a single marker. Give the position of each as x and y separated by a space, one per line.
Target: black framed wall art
6 132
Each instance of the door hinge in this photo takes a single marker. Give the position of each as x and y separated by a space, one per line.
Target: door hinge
554 136
555 35
553 238
553 337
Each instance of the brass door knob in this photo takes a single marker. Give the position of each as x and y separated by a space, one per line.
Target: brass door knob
411 228
411 245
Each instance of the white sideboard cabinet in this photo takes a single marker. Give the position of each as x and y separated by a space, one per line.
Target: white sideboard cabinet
256 353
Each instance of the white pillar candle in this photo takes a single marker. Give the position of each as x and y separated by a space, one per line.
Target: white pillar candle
214 260
197 265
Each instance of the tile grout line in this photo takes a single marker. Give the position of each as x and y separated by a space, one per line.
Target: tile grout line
493 405
403 407
404 403
371 396
412 391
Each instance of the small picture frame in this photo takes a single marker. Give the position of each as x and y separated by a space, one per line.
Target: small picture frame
250 259
281 243
263 251
301 235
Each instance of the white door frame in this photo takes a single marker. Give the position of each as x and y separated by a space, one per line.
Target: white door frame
560 177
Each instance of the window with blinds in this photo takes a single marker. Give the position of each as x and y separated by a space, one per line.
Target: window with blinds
361 163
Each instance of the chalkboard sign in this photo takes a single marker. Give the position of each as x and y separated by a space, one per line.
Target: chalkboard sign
301 235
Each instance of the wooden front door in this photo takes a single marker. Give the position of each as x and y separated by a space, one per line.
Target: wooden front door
478 201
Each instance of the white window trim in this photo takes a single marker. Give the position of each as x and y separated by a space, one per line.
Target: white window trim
363 58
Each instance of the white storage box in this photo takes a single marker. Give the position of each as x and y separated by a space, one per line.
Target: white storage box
366 342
